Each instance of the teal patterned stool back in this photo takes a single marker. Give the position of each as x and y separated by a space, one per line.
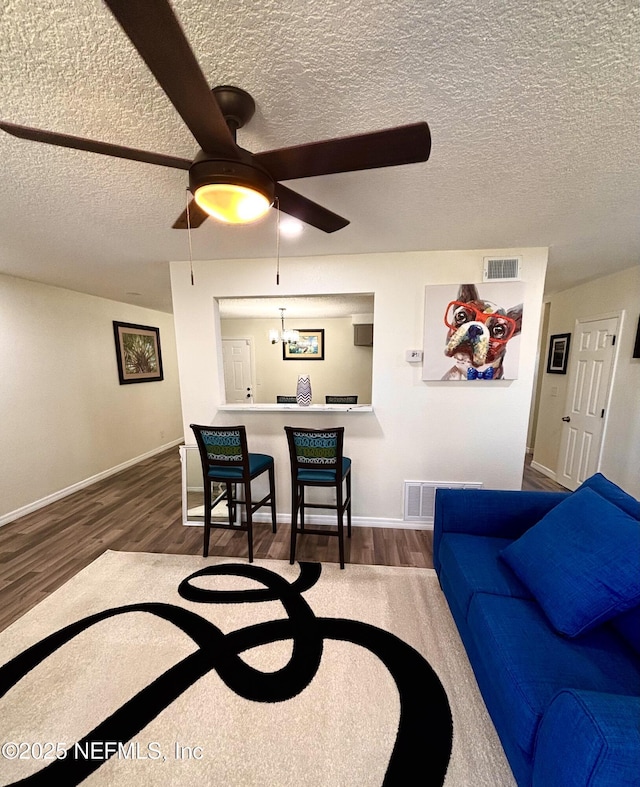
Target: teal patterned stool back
316 448
222 445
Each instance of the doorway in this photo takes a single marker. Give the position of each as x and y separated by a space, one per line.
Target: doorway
585 413
237 365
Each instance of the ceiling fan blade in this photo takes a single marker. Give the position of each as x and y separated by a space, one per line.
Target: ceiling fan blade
156 33
93 146
388 148
308 211
196 217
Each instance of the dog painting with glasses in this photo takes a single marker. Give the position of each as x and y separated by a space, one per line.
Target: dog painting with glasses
479 330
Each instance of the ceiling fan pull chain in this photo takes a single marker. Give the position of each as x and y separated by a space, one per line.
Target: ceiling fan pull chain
276 203
189 235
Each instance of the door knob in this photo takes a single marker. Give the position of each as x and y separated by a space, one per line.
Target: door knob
566 418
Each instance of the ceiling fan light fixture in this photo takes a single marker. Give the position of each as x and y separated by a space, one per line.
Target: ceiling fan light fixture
232 192
231 203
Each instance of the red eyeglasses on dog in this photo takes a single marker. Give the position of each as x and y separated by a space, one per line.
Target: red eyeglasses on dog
501 328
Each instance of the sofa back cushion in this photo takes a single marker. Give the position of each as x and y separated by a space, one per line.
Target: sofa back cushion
580 562
611 492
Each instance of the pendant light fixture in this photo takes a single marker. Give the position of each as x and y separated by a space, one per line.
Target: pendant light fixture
284 334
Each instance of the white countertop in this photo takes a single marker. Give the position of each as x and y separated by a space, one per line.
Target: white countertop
312 408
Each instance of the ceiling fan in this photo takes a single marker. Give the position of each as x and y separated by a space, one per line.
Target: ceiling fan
228 182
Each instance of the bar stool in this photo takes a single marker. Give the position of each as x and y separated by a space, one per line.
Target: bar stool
317 460
226 459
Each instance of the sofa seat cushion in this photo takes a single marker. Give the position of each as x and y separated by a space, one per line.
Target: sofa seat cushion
580 562
472 564
532 663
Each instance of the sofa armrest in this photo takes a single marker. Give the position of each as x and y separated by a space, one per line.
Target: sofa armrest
588 739
489 512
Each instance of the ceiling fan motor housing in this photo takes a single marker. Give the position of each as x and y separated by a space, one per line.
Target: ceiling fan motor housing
206 170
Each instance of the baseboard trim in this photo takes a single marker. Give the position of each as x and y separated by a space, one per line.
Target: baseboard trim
69 490
321 519
544 470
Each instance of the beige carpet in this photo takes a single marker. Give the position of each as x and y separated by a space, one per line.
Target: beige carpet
338 730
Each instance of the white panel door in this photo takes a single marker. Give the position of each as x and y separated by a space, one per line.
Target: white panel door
590 370
236 359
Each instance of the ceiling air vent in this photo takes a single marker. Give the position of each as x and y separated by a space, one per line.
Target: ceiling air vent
501 269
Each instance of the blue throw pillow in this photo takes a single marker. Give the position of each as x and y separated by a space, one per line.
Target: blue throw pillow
612 493
581 562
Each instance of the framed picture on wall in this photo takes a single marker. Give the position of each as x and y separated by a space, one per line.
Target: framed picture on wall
308 347
558 353
138 353
636 346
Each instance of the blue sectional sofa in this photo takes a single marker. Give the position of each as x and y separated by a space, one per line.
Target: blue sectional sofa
545 591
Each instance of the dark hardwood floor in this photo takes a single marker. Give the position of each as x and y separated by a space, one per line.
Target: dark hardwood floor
139 509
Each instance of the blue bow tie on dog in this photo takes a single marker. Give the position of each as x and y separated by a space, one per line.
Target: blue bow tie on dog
474 374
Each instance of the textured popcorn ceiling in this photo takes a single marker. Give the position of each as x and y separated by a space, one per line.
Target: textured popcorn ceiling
533 108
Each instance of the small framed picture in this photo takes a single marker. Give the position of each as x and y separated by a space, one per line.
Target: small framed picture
138 353
308 347
636 346
558 353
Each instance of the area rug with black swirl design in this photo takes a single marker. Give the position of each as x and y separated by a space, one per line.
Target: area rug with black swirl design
149 669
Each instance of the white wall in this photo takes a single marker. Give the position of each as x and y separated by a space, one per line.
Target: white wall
621 449
345 370
65 417
433 431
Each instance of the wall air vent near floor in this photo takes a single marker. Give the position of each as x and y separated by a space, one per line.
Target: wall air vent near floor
420 497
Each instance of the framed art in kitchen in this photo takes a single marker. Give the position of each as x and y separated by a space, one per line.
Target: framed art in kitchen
308 347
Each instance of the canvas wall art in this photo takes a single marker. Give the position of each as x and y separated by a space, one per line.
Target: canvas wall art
472 331
137 353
